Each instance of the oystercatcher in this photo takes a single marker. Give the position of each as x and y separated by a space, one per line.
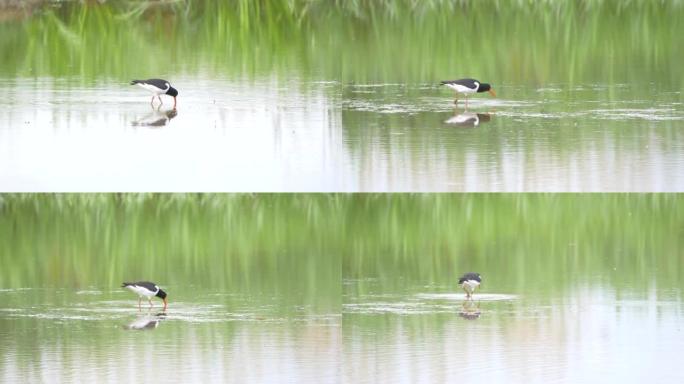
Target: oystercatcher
468 86
469 282
158 87
147 289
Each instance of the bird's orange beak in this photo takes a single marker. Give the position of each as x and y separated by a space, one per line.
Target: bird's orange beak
174 102
166 303
491 92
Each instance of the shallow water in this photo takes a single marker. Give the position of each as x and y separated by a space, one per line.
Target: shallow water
343 96
301 135
589 334
65 335
342 288
305 96
575 288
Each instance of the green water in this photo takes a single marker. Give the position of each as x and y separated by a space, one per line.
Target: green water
314 96
340 288
228 243
254 289
342 96
575 288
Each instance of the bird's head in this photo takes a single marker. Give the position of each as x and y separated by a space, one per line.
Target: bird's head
485 87
162 295
173 92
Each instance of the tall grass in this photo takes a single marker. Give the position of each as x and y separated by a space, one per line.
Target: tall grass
303 245
353 40
265 245
526 242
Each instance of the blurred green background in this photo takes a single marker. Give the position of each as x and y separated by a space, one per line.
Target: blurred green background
517 41
521 243
264 245
241 270
304 245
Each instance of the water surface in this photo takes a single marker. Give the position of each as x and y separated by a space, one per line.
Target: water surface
268 135
305 96
342 287
575 288
63 335
592 334
252 296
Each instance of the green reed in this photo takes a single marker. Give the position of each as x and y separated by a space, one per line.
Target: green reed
355 40
529 242
303 245
241 243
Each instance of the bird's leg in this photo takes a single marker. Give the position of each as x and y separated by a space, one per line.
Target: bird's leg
456 98
150 301
152 101
139 303
160 100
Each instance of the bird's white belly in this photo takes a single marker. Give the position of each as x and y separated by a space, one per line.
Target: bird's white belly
470 285
152 88
461 89
141 291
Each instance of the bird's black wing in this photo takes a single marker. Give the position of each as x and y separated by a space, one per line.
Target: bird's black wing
159 83
470 83
469 276
151 286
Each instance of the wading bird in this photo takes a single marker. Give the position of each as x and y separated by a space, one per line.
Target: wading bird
469 282
158 87
148 290
468 86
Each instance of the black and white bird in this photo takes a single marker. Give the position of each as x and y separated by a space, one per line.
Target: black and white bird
148 290
158 87
469 282
467 87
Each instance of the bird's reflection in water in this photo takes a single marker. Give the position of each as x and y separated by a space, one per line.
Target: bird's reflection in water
468 119
157 118
470 310
145 322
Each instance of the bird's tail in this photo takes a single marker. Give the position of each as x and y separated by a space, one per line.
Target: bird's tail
124 285
133 82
